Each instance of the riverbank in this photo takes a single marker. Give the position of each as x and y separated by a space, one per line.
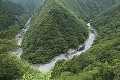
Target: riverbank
70 53
19 38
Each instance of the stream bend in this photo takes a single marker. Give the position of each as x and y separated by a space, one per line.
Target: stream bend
71 52
68 55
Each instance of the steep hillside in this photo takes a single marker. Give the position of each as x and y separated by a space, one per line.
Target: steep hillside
57 26
102 60
52 32
15 16
29 5
65 15
12 19
87 9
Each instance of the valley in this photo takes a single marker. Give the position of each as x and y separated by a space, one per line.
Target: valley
58 42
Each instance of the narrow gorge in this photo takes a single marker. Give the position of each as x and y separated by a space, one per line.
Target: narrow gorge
62 40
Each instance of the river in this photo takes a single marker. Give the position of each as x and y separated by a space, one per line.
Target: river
68 55
19 38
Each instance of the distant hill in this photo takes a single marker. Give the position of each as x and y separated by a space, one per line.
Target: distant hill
15 16
87 9
29 5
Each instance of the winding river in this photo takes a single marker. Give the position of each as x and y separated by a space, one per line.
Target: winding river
19 38
68 55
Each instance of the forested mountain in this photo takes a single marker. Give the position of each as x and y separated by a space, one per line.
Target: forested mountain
52 32
12 19
56 26
102 60
14 15
29 5
87 9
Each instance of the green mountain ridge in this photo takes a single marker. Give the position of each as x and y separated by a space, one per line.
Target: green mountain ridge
29 5
39 43
87 9
53 31
56 26
14 15
102 60
12 19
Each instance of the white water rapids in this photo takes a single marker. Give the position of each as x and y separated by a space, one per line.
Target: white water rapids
68 55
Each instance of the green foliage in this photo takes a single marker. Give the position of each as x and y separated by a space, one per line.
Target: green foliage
12 19
14 15
59 19
10 67
53 30
66 76
57 26
29 5
35 75
101 61
87 9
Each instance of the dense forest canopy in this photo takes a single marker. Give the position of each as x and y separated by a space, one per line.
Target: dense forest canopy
14 15
102 60
87 9
52 32
12 19
56 26
29 5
